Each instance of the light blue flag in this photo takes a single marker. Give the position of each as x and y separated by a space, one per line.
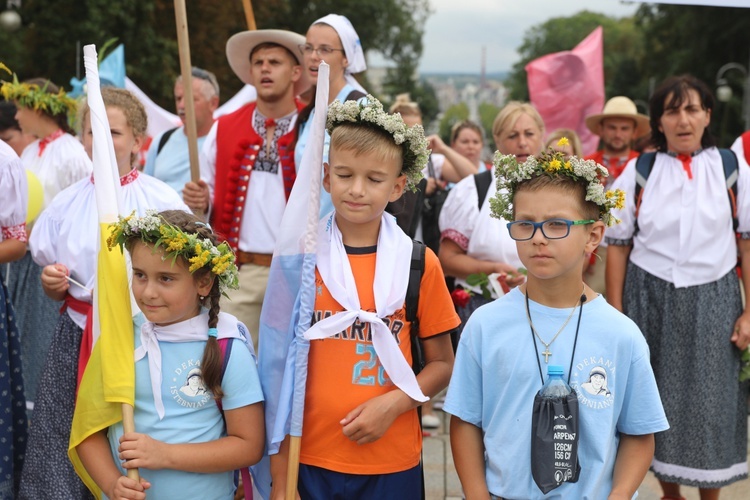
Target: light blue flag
289 302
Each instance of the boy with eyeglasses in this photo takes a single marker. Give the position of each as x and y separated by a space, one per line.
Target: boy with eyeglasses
558 210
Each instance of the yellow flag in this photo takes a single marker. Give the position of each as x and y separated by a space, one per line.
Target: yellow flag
109 377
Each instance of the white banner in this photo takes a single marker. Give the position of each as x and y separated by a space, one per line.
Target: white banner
708 3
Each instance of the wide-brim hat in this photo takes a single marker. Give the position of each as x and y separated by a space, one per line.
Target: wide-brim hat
241 45
619 107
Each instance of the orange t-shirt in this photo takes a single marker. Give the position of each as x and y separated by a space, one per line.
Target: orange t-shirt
344 372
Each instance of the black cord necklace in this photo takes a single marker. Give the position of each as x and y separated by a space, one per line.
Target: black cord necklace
547 353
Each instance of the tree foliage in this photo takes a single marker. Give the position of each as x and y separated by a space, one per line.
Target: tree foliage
659 41
487 114
623 47
456 113
46 43
699 41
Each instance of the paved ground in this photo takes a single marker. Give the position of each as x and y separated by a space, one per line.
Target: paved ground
442 481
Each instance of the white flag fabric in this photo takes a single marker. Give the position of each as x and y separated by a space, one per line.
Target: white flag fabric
290 297
707 3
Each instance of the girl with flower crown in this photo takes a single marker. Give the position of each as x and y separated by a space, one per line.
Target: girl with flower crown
64 243
55 156
13 191
186 445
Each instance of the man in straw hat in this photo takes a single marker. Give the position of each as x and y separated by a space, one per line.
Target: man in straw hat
247 161
617 126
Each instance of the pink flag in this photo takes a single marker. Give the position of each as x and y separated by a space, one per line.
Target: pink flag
565 87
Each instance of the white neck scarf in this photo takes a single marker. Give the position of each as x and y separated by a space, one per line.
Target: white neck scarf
391 280
192 330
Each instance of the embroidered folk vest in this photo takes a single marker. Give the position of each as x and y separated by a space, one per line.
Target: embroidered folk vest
237 146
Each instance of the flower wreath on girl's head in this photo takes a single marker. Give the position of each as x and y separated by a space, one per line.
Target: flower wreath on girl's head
199 252
31 95
510 174
370 112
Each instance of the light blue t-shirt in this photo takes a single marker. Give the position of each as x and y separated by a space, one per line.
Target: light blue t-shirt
191 414
326 205
496 376
172 164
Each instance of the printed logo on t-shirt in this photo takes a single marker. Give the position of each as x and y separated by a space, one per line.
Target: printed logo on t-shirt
591 378
187 387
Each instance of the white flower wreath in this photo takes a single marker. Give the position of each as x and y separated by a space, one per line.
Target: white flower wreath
510 174
371 113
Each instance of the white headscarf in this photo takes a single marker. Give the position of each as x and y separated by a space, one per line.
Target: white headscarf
352 47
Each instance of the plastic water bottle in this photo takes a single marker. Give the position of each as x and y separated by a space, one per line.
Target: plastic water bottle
555 386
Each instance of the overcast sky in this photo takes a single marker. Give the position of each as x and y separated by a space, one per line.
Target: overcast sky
457 29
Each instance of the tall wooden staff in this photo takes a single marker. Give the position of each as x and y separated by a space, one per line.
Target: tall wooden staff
249 16
183 43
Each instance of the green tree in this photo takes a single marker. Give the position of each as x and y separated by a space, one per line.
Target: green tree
623 50
456 113
46 43
699 41
487 114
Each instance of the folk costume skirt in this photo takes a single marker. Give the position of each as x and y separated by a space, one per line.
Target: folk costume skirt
697 371
13 426
48 472
37 316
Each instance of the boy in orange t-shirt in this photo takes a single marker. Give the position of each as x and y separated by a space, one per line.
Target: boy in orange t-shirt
362 437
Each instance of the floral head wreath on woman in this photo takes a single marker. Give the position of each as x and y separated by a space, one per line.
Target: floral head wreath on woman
199 252
371 113
31 95
510 174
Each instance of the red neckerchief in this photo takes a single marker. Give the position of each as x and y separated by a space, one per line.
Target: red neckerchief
686 161
125 179
43 142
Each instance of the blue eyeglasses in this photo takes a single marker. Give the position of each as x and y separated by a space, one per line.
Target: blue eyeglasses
552 229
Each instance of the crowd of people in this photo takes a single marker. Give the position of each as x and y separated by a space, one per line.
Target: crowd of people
628 266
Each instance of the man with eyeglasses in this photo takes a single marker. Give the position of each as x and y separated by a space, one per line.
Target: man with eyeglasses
168 158
247 162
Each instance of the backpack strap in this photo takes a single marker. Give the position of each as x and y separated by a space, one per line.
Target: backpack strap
643 166
225 345
164 138
482 181
355 95
416 269
731 173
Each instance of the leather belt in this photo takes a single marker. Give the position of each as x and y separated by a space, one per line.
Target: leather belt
259 259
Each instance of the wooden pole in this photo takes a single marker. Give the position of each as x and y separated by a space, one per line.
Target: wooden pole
128 425
249 15
292 471
187 84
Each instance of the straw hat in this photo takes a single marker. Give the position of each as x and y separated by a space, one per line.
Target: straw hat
241 45
619 107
